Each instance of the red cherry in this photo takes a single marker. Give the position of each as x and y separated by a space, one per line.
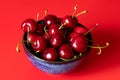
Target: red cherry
29 24
66 51
79 44
40 44
72 36
40 28
31 37
46 36
50 20
80 30
56 40
53 30
50 54
69 21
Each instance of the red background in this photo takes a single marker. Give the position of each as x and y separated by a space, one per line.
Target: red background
14 66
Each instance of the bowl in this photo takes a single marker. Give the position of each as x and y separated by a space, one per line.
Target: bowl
54 67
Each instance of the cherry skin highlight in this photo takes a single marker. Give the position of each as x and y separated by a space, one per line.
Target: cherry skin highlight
56 40
50 54
69 21
53 30
79 44
40 44
72 36
31 37
50 19
66 51
29 25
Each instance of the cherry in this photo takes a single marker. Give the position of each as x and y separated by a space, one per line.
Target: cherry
31 37
56 40
50 54
72 36
40 44
53 30
69 21
29 24
46 36
80 30
66 51
50 19
40 28
79 43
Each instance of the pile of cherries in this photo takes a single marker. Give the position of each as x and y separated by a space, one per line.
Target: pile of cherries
56 38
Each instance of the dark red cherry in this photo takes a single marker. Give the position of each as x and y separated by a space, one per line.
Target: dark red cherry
46 36
40 29
53 30
79 44
31 37
66 51
29 24
69 21
80 30
40 44
56 40
72 36
50 54
50 20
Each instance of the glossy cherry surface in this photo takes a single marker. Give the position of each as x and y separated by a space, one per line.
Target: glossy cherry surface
29 25
53 30
79 44
50 54
31 37
80 30
69 21
56 40
40 44
72 36
50 19
66 51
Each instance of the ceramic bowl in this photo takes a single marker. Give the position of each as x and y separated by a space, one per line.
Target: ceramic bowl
53 67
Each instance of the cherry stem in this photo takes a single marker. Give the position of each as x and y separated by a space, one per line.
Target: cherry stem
91 29
46 12
18 46
37 18
37 51
83 12
100 47
100 50
19 43
62 25
75 9
46 32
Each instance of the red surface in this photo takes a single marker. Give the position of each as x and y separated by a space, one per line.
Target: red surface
14 66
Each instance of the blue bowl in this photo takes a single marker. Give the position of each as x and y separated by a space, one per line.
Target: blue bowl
53 67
